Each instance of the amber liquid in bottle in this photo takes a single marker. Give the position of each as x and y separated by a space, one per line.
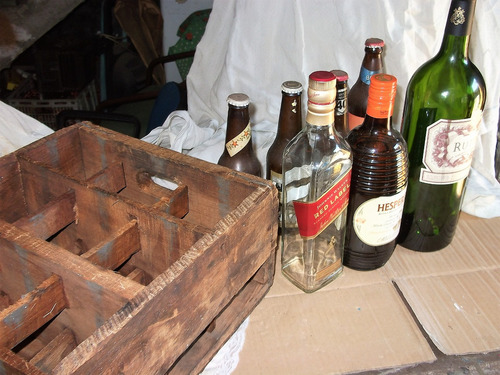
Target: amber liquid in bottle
378 182
358 95
238 151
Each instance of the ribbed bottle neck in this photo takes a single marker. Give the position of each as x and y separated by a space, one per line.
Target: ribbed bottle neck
320 114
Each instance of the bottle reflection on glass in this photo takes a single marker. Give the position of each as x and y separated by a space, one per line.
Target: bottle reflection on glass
238 151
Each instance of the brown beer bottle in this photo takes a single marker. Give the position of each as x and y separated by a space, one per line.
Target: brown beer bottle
378 182
289 124
238 151
358 95
341 118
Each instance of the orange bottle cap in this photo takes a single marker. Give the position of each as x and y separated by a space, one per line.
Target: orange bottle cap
381 95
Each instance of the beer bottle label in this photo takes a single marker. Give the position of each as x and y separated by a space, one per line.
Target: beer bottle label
366 74
237 144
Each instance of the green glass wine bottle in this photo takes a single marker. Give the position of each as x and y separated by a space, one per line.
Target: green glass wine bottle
441 116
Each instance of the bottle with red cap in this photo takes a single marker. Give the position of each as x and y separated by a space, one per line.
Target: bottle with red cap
372 63
316 179
341 118
379 180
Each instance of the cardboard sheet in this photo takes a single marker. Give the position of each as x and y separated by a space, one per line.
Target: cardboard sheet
455 292
368 320
332 331
474 247
460 312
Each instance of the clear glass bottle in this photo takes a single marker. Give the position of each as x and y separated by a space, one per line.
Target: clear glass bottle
289 125
373 63
316 179
443 107
238 151
378 182
341 102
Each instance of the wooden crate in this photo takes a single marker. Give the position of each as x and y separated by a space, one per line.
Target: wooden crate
104 271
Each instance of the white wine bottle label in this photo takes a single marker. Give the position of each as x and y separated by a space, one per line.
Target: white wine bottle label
314 217
448 151
237 144
377 221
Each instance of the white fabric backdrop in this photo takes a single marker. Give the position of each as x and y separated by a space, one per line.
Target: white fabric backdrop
252 46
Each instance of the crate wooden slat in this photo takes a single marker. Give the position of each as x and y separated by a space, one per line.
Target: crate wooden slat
159 256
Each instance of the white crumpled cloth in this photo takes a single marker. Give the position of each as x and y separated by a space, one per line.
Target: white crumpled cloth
252 46
18 130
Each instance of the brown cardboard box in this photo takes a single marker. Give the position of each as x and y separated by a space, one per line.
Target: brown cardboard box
371 320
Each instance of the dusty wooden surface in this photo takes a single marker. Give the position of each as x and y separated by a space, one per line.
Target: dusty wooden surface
120 274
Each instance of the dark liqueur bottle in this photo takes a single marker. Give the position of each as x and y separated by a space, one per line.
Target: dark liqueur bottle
378 181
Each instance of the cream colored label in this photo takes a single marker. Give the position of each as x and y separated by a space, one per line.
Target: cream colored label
449 147
237 144
377 221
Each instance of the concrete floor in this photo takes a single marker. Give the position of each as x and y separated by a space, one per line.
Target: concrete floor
472 364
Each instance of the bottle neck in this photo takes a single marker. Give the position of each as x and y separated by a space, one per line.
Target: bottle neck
458 29
372 64
290 118
455 47
238 119
320 115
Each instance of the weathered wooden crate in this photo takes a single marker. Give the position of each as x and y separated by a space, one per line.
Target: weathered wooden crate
103 271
